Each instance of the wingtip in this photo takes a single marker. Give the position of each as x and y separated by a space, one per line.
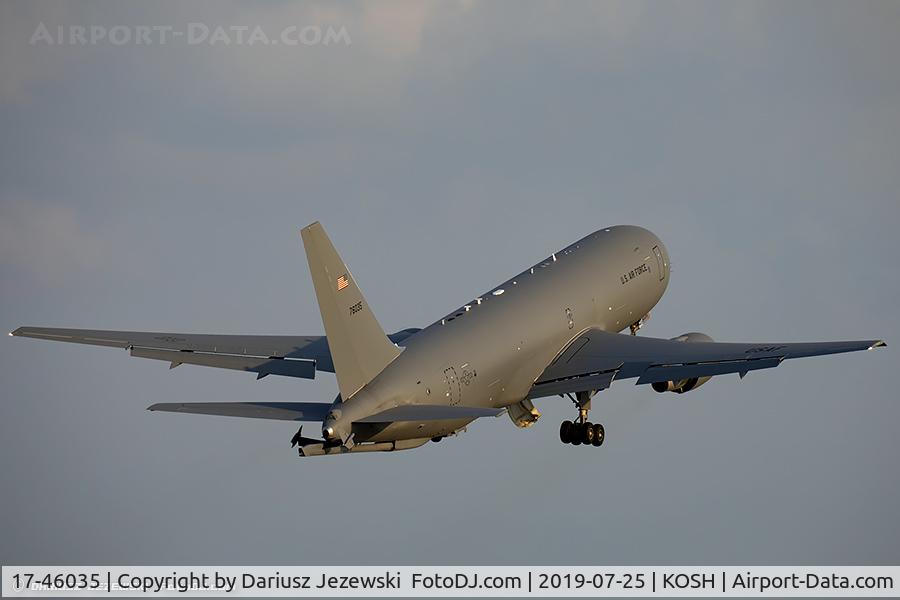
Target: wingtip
878 344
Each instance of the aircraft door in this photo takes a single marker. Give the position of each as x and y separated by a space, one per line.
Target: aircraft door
660 264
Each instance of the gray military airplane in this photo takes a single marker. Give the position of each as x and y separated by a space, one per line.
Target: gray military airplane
553 329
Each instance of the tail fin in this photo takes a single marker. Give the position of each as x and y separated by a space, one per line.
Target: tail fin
359 347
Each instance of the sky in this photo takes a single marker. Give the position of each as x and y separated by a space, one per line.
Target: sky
445 147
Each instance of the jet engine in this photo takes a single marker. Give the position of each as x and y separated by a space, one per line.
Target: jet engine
684 385
523 413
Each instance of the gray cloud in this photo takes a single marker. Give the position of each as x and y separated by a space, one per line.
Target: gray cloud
47 241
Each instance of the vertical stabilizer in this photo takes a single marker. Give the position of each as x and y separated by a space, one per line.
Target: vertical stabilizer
359 347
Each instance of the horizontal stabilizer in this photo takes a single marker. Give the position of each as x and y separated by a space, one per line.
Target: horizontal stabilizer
280 411
428 412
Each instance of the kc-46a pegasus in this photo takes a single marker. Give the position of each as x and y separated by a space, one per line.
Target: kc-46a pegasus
555 329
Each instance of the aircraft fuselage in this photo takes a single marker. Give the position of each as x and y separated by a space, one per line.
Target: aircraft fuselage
489 352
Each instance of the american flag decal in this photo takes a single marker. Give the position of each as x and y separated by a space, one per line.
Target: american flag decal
342 282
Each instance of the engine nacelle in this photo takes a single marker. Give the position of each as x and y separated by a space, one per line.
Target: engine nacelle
523 413
684 385
681 386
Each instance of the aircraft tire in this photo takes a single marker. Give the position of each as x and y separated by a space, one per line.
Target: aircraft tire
565 432
587 434
577 434
599 435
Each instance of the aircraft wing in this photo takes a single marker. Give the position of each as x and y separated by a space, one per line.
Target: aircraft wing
597 358
317 411
292 356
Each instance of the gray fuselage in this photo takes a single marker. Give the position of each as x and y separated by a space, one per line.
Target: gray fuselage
489 352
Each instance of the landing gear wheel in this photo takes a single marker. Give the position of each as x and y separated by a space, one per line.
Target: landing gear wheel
587 434
565 432
599 434
577 434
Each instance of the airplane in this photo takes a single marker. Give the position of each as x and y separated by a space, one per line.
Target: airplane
555 329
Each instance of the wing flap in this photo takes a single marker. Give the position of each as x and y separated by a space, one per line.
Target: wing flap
570 385
679 372
280 411
262 366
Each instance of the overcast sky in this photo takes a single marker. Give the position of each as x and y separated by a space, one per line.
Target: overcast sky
445 147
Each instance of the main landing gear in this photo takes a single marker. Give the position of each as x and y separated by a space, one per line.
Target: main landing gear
582 431
578 433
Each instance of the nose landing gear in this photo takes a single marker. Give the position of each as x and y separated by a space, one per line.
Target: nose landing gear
582 431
